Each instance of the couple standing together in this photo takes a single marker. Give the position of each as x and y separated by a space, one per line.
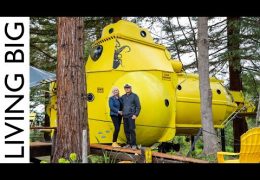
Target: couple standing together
127 106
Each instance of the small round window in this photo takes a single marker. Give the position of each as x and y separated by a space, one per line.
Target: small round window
90 97
166 102
218 91
179 87
111 30
96 52
143 33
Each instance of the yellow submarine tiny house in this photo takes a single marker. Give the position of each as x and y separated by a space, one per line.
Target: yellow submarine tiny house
169 97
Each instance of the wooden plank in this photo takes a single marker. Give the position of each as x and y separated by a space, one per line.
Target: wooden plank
154 154
37 144
107 147
179 158
122 156
43 149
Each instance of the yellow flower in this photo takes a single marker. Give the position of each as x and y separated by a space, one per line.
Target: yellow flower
62 160
73 156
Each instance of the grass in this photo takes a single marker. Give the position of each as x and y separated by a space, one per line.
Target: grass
96 159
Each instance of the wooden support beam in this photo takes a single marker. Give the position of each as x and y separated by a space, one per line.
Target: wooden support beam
223 139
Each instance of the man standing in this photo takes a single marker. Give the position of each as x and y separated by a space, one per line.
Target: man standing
131 109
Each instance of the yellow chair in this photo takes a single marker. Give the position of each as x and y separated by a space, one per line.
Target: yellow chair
249 150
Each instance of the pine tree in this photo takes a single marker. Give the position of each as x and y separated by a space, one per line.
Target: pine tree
71 88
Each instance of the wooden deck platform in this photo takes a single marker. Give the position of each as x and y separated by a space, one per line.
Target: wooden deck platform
38 149
130 154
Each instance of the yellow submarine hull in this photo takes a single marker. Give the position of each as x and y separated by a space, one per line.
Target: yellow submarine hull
170 100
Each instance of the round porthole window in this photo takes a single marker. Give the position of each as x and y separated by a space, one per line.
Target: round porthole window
111 30
218 91
166 102
143 33
90 97
179 87
96 52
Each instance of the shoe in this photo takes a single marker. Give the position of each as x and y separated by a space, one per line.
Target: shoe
134 147
115 145
127 146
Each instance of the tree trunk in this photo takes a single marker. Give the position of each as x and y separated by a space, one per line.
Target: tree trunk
257 121
233 28
210 142
71 88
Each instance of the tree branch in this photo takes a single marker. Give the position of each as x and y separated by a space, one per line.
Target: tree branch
174 40
39 49
188 42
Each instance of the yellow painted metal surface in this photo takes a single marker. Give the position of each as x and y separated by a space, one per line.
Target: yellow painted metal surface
51 108
249 151
155 119
127 29
148 155
176 65
247 106
129 55
188 103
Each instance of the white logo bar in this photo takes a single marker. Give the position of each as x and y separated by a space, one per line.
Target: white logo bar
14 90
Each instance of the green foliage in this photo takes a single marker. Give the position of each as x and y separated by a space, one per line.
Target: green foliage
63 160
43 42
251 85
72 159
106 158
179 34
73 156
96 159
36 135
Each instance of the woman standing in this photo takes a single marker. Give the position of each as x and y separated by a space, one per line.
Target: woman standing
115 106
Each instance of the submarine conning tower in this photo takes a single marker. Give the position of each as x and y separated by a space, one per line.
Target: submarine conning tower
145 47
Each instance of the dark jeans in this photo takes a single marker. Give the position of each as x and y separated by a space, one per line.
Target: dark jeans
116 121
129 127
